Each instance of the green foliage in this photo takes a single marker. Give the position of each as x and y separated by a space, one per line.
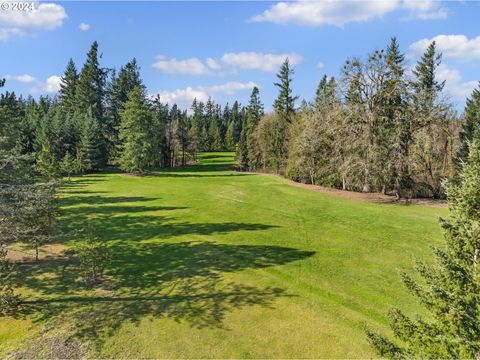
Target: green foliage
117 95
471 125
9 300
229 137
136 134
250 254
47 164
90 90
284 105
68 89
451 287
255 112
94 257
68 165
92 144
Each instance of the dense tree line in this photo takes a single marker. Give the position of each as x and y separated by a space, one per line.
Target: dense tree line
377 128
104 117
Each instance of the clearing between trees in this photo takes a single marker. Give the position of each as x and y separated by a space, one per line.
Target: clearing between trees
211 263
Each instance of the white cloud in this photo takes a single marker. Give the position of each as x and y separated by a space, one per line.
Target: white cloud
259 61
6 34
425 9
339 13
52 85
228 88
228 62
84 26
317 13
25 78
321 65
454 85
192 66
184 97
44 16
213 64
452 46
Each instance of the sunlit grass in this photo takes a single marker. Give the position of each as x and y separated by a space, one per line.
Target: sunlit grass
208 262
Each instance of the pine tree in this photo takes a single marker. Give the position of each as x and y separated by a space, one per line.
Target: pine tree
92 144
284 105
451 287
94 257
254 114
471 125
430 114
398 117
91 86
325 96
229 138
68 165
135 133
426 84
182 136
68 89
47 165
117 94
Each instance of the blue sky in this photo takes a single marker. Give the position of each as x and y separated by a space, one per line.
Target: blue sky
222 49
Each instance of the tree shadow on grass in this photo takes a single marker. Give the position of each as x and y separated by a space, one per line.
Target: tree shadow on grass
182 281
150 275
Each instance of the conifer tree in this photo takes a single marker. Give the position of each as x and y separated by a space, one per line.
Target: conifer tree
229 138
135 133
471 125
117 94
451 287
91 86
284 104
68 165
47 165
325 95
254 114
430 114
68 89
92 144
182 136
426 84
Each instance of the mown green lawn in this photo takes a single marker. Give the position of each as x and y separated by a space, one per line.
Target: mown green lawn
211 263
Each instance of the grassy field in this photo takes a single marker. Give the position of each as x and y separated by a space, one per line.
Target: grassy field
210 263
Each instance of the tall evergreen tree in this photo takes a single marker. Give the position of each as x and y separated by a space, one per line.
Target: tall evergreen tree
255 112
92 144
135 151
471 125
181 133
68 89
325 96
117 94
451 287
284 104
430 115
91 86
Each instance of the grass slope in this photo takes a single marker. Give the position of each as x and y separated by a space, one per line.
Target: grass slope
210 263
